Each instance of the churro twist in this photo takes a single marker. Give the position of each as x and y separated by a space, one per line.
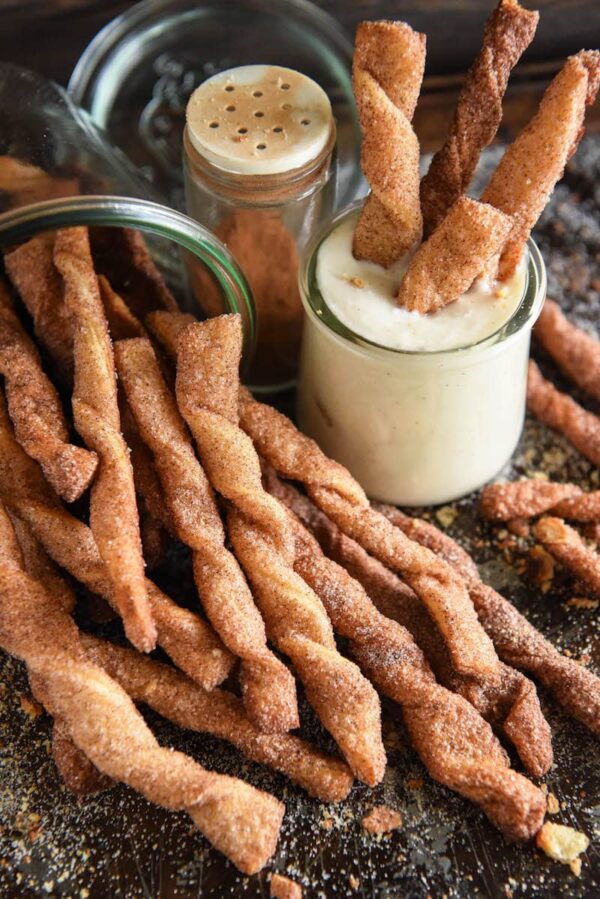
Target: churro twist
207 394
35 409
335 491
568 548
524 499
237 819
517 641
188 640
446 265
455 743
387 71
574 350
509 702
563 414
268 687
221 714
508 32
31 269
113 512
535 161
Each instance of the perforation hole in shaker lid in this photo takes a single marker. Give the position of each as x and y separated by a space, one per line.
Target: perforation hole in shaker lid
237 121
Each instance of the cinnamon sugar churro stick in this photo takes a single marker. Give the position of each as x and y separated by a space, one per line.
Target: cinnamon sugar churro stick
31 269
335 491
188 640
454 742
509 702
508 32
268 687
523 499
122 323
447 263
574 350
221 714
535 161
387 71
113 512
36 412
239 820
518 642
563 414
207 394
567 547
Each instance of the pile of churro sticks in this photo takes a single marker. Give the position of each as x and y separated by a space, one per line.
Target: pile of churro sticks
161 443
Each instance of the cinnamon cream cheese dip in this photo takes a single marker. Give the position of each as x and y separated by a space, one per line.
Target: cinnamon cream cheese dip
422 408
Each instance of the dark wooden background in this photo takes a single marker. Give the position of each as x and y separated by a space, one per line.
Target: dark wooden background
50 35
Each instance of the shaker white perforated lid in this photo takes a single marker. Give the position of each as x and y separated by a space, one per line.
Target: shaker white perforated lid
259 120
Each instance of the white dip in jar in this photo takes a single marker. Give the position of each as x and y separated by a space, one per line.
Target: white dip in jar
422 409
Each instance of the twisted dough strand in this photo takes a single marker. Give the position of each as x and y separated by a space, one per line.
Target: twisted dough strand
387 71
188 640
526 499
237 819
478 113
113 511
518 642
268 687
335 491
573 349
36 410
510 702
207 394
455 743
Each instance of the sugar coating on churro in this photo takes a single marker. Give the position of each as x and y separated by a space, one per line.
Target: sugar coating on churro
220 713
563 414
387 71
267 686
523 499
437 719
188 640
31 269
102 721
568 548
535 161
575 351
334 490
446 265
207 394
35 409
508 32
517 641
113 511
283 888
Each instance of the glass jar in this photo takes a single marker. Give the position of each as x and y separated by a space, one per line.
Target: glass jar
415 428
257 162
58 170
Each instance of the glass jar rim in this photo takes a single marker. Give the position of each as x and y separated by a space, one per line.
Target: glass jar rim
102 210
527 311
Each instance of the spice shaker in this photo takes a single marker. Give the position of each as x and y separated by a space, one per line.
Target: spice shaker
258 150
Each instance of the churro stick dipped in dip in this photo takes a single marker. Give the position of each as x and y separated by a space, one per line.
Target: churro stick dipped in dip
508 32
387 71
536 160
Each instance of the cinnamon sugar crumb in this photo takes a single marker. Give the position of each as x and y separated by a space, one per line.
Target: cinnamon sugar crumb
563 844
414 783
581 602
284 888
382 820
541 567
353 882
553 807
30 706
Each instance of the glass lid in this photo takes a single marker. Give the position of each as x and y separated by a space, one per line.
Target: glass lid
137 74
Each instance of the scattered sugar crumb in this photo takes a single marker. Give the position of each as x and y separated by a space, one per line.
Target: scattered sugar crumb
284 888
353 882
582 602
541 567
414 783
382 820
30 706
562 843
446 516
553 807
